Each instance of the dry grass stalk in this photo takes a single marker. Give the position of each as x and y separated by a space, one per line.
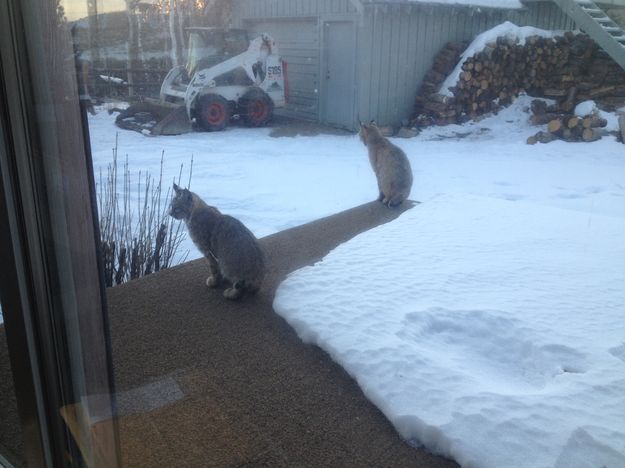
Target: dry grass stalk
137 240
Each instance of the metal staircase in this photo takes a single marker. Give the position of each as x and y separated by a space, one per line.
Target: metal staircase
598 25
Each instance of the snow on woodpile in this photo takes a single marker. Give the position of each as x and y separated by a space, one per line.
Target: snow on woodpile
505 4
508 60
505 32
585 123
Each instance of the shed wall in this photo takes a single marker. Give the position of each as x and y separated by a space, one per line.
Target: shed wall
290 8
298 42
296 27
396 45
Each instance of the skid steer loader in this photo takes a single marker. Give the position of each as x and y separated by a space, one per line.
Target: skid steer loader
225 76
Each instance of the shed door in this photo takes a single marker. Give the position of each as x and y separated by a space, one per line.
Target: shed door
338 74
298 43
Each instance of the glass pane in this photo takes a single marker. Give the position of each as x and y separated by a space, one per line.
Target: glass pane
353 233
202 380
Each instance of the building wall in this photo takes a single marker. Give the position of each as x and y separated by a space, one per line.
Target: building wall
296 26
396 45
298 42
290 8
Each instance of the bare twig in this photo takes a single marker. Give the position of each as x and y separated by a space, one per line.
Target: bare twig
135 244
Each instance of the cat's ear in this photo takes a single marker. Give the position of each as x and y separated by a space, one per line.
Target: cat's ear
373 123
176 188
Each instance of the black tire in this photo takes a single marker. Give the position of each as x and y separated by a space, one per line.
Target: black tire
213 112
256 108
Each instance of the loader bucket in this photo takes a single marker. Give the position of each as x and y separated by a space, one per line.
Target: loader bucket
152 117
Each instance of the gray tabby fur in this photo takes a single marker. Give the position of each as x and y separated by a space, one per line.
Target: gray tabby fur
232 251
390 165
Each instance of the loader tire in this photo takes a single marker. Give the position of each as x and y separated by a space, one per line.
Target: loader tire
213 112
256 108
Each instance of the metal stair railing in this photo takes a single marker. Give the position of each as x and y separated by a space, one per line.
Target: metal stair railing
598 25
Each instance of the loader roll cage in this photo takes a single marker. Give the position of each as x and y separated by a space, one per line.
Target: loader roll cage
210 46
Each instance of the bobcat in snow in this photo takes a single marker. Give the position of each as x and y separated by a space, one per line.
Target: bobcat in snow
232 251
390 165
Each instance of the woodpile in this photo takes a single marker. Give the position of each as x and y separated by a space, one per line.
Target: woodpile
430 107
569 69
562 125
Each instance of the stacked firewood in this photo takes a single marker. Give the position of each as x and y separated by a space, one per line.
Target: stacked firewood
562 125
569 68
431 107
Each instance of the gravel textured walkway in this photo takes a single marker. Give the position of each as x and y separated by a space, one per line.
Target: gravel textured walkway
206 382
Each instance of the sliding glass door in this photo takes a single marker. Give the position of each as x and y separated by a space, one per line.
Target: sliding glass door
56 358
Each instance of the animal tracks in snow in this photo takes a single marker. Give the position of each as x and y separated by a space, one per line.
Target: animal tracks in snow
509 356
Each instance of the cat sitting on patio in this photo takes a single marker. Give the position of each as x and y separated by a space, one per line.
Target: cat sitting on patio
232 251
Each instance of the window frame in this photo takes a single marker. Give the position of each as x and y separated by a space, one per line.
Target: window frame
39 335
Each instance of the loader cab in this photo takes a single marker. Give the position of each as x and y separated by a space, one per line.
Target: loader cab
210 46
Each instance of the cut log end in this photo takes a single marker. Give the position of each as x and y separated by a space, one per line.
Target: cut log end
555 126
591 134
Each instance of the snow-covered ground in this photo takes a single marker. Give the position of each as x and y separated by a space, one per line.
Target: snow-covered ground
488 330
275 183
268 183
486 322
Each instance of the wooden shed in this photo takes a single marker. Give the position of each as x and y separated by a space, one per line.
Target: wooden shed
351 60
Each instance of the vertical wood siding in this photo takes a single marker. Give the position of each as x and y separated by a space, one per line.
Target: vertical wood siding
290 8
298 43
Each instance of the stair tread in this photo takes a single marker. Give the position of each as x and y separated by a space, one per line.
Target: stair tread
585 12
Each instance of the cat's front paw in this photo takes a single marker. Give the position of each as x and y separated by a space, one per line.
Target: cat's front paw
233 293
213 281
